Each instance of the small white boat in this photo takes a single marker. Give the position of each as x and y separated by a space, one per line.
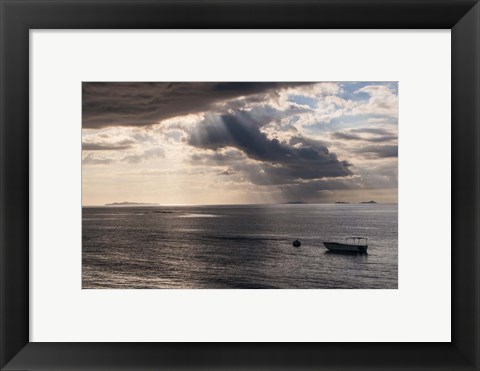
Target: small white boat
357 244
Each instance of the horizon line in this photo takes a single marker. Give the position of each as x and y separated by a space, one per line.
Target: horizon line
148 204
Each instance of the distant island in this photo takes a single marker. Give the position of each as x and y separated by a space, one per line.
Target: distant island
130 204
368 202
341 202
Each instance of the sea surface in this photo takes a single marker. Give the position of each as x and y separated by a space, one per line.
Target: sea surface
238 246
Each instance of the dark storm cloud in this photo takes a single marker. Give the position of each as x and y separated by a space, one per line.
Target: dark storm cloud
107 104
276 162
379 151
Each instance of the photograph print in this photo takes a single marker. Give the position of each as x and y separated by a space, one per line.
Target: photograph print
240 185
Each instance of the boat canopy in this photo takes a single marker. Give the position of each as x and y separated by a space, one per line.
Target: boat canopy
357 240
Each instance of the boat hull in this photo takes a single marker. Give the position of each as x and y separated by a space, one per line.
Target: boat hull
343 247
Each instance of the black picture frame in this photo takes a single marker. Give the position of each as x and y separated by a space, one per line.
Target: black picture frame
19 16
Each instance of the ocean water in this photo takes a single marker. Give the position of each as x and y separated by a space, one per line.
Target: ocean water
238 246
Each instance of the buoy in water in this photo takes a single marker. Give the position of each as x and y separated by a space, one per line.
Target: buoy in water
297 243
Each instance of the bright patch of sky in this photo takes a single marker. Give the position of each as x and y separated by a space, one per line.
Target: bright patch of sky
303 100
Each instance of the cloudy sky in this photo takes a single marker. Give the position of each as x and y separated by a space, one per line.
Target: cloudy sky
239 142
